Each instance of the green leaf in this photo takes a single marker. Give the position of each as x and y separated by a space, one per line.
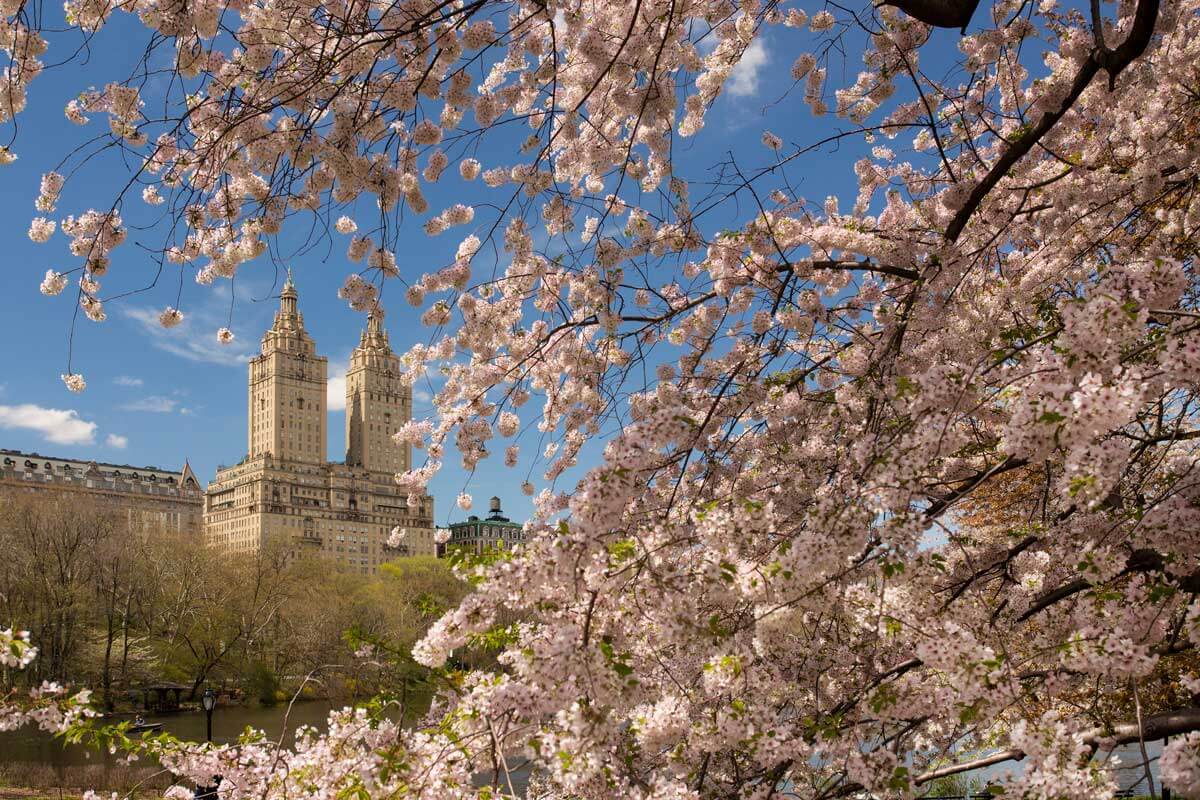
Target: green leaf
622 550
905 386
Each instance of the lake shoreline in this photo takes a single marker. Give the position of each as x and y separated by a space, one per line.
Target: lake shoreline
61 793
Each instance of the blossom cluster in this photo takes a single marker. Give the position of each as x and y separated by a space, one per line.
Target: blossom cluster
49 705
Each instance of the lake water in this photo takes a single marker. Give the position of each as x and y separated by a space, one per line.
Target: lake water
32 746
29 748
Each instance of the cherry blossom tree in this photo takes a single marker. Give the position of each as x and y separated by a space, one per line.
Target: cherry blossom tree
772 583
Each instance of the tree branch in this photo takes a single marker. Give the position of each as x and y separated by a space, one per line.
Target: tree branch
1153 728
1139 561
1159 726
940 505
867 266
1112 61
938 13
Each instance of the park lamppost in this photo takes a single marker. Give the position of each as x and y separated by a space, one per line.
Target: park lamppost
209 701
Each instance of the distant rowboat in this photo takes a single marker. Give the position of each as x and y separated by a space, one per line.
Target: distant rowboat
145 726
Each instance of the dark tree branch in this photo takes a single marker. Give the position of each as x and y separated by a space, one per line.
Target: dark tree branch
1159 726
893 672
938 13
1114 61
1139 561
942 504
1051 597
868 266
998 565
1111 61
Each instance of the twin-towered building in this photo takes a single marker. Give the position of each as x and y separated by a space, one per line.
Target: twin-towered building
285 488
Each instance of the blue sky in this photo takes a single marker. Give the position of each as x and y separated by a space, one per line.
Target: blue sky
158 397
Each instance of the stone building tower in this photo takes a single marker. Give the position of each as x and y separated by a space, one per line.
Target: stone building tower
284 491
378 402
287 389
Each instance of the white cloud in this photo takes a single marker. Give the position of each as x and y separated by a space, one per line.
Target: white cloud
335 389
60 426
115 441
422 395
743 80
185 411
154 404
126 380
194 339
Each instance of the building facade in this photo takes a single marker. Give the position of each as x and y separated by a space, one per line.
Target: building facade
149 499
481 535
285 488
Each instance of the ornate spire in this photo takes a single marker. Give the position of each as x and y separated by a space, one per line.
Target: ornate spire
289 322
375 337
287 298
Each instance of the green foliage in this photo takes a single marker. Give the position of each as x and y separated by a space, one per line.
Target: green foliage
495 638
622 550
618 661
158 607
263 684
467 561
953 785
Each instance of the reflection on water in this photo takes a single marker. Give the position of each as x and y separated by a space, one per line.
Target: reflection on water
33 746
30 746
